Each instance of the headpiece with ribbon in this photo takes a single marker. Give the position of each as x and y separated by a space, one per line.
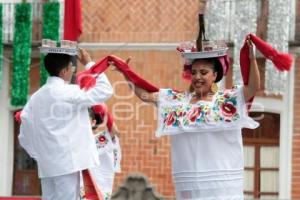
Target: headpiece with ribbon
204 49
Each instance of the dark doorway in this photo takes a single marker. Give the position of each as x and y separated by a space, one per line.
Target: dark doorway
25 175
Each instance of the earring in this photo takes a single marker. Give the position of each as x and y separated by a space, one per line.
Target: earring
214 88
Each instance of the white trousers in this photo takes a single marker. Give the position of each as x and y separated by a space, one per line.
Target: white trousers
61 187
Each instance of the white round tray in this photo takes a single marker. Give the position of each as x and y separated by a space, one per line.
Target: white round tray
204 54
59 50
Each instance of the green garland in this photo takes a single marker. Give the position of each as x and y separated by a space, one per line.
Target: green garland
21 54
50 31
1 45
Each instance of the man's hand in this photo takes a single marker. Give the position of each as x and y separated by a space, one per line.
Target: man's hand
83 56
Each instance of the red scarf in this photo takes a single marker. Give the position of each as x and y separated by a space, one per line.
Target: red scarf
281 61
86 79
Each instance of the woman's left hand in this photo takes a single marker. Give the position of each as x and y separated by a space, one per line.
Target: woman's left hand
251 48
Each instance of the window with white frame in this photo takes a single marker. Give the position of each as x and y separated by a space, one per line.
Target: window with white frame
261 152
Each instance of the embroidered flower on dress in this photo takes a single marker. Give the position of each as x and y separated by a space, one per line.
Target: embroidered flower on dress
170 119
222 109
228 109
173 95
194 113
101 140
227 105
115 152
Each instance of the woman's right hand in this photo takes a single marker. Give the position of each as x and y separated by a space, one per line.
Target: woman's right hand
115 68
139 92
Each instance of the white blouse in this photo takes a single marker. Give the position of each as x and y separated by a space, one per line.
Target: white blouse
109 152
206 140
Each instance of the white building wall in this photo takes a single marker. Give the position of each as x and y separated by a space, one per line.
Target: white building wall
6 133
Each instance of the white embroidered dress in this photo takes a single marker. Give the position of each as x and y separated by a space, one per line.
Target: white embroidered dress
206 140
109 153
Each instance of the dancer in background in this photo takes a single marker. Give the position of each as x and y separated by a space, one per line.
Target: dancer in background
109 150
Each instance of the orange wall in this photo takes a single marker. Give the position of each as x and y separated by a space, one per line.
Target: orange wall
140 21
296 136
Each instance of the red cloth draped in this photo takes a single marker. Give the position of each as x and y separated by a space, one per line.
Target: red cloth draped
72 20
102 65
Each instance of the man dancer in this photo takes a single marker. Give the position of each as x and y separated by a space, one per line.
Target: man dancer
55 128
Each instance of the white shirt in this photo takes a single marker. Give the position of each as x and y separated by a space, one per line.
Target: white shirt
55 128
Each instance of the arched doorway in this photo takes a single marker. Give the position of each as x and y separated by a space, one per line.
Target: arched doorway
261 150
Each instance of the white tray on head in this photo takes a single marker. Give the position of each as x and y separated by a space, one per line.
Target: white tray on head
59 50
205 54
